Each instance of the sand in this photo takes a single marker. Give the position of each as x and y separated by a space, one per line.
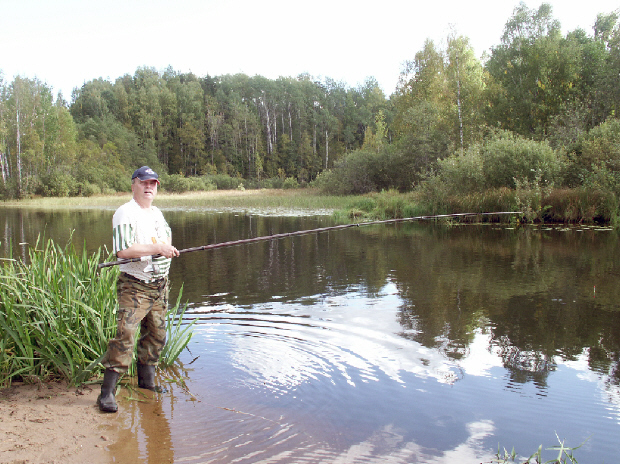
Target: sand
54 423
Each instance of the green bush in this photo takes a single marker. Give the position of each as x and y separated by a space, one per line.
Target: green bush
373 170
117 182
433 192
201 183
596 158
600 146
175 183
86 189
506 157
224 182
503 160
272 183
462 173
352 175
290 183
58 184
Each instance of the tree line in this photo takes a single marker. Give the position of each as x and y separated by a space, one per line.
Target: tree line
537 85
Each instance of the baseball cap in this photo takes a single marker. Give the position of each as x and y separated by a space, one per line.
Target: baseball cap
145 173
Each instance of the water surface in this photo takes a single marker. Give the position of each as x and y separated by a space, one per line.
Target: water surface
400 343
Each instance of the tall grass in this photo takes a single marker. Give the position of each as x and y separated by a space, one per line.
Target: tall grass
294 199
57 314
178 334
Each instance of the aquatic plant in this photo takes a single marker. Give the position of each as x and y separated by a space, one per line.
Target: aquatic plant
178 334
565 455
57 315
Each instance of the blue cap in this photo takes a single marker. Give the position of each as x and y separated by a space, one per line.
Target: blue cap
145 173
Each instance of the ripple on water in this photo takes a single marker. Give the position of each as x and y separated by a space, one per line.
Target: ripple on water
274 373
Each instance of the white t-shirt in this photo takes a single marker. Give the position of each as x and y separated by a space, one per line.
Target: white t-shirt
133 224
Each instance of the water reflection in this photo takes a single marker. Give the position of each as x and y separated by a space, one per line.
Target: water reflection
143 428
284 345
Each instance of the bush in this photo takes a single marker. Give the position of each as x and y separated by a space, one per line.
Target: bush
463 173
596 152
201 184
175 183
58 184
86 189
600 146
224 182
504 160
352 175
290 183
373 170
506 157
117 182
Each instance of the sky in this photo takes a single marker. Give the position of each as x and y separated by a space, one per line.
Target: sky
65 43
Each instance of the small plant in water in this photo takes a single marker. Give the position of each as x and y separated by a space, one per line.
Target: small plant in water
565 455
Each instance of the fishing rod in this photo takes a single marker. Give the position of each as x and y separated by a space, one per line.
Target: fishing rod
302 232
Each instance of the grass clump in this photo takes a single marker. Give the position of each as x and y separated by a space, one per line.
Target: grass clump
57 315
565 455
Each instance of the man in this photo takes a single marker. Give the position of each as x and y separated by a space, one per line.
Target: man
139 231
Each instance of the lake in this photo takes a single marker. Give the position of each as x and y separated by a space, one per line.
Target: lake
409 343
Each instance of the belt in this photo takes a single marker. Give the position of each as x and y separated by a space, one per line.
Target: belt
157 282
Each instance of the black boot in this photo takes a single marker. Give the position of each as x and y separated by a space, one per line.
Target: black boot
106 400
146 378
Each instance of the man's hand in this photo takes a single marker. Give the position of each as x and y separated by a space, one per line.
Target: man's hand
167 251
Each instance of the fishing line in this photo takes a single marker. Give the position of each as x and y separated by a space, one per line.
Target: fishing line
304 232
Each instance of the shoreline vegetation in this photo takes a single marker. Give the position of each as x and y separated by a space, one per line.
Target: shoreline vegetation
57 313
535 203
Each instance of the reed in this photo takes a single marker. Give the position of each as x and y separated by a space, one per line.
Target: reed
178 333
57 315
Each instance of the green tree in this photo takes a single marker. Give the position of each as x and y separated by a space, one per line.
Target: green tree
536 70
607 37
466 86
426 121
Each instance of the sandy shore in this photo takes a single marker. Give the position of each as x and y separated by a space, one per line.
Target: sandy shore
54 423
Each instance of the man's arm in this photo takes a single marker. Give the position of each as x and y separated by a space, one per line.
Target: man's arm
138 250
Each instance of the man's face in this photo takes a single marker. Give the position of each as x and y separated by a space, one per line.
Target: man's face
144 191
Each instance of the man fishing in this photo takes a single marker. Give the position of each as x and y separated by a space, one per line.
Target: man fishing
139 231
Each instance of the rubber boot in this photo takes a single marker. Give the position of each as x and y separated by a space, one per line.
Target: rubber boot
106 400
146 378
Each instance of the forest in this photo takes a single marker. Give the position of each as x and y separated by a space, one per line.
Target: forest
538 113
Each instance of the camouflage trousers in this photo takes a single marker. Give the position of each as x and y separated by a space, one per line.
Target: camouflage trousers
139 305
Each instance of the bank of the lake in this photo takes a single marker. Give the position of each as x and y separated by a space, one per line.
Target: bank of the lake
560 206
54 423
265 199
